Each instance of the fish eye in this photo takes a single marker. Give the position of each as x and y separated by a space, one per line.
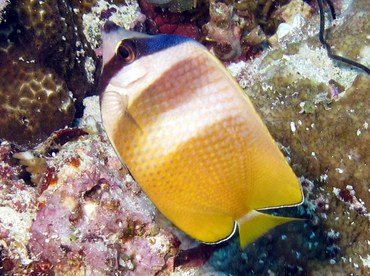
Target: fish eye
126 50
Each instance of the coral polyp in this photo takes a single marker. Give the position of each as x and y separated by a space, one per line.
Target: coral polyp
27 95
46 69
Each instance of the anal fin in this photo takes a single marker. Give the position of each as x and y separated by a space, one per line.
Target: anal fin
255 224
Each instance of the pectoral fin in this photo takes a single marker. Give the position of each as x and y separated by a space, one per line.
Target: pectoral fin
114 109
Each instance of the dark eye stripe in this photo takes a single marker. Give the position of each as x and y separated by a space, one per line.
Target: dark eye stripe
144 47
110 69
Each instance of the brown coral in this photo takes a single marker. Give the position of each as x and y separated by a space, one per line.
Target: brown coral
56 41
332 142
319 109
343 38
222 31
352 240
44 73
84 6
34 101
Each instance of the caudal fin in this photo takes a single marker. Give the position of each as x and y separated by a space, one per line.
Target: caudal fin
255 224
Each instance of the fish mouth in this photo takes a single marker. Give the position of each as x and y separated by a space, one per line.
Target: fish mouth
110 26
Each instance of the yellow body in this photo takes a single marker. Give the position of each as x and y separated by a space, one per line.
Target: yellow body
193 141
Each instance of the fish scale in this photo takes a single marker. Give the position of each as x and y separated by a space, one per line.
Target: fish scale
205 146
192 139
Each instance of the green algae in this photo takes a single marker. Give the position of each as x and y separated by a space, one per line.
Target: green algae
318 109
332 141
279 53
328 139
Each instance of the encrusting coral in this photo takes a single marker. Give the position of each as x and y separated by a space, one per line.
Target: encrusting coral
351 40
318 108
96 219
34 101
86 213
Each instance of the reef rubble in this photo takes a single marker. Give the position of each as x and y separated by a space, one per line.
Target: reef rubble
87 215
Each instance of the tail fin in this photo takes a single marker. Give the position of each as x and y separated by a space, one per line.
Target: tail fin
255 224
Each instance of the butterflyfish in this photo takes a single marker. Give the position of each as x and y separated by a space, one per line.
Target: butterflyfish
191 138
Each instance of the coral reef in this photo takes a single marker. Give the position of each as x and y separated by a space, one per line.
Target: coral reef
18 206
176 5
330 240
34 103
94 218
243 29
69 206
47 69
223 31
3 4
351 38
319 108
126 16
293 15
169 22
231 29
305 92
86 213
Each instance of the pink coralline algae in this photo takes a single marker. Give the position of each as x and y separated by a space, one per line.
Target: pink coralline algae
94 217
17 209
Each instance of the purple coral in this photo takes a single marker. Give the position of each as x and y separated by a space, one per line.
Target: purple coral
94 220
